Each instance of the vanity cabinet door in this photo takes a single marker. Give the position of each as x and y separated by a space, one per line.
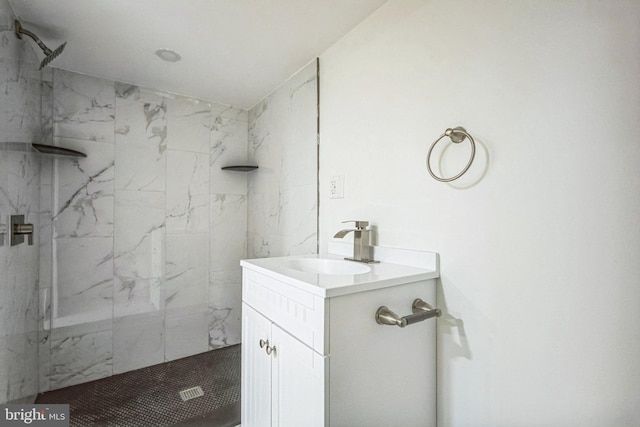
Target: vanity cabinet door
256 369
283 380
298 383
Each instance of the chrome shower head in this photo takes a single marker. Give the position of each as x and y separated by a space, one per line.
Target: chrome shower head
49 54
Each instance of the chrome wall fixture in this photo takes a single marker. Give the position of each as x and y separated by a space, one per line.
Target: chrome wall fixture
49 55
456 135
19 229
420 309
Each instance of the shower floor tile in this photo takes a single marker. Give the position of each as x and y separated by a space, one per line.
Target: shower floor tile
150 396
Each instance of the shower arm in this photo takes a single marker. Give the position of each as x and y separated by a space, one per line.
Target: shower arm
19 31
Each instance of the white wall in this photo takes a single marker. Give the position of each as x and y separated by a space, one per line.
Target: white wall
540 256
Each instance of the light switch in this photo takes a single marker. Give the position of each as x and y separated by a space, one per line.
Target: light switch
336 190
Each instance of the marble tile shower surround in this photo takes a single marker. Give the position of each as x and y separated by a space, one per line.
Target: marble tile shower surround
20 93
143 261
139 243
283 192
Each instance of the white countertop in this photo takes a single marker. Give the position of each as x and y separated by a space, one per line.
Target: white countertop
381 275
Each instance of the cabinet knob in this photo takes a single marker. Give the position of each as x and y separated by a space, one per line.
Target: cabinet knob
263 343
270 349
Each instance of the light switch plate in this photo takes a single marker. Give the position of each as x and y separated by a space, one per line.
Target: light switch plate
336 188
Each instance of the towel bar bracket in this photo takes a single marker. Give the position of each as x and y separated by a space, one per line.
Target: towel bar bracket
421 311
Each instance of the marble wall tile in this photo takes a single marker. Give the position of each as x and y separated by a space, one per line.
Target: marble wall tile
139 252
83 286
189 123
266 137
81 353
46 109
4 171
139 234
228 225
225 302
138 341
6 195
282 193
20 93
138 296
228 147
127 230
19 101
283 134
187 272
300 160
298 209
141 142
19 192
44 309
186 335
260 223
10 46
83 107
187 192
229 112
44 361
228 240
18 366
18 291
85 191
228 247
117 301
44 339
279 223
45 228
142 95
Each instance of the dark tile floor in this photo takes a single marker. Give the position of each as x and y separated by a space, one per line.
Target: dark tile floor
150 396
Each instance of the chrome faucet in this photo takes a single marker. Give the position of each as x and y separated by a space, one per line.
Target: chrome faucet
362 250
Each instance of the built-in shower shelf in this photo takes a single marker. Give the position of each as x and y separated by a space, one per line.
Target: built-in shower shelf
240 168
58 151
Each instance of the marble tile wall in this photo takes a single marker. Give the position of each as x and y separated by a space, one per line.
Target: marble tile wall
283 192
19 194
147 231
138 244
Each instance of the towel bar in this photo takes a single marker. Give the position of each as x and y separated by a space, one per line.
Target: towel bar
421 311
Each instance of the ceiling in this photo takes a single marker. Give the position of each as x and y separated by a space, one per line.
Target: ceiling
233 51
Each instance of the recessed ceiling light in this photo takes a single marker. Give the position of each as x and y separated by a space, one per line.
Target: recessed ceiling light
168 55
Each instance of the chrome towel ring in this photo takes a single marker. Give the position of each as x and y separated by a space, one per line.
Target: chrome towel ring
456 135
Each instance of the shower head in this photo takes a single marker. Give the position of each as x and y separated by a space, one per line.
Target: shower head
49 54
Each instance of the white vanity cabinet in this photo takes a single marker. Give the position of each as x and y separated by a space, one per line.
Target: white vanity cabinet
282 379
313 354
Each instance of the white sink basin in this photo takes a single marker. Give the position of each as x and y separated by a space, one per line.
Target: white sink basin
327 266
